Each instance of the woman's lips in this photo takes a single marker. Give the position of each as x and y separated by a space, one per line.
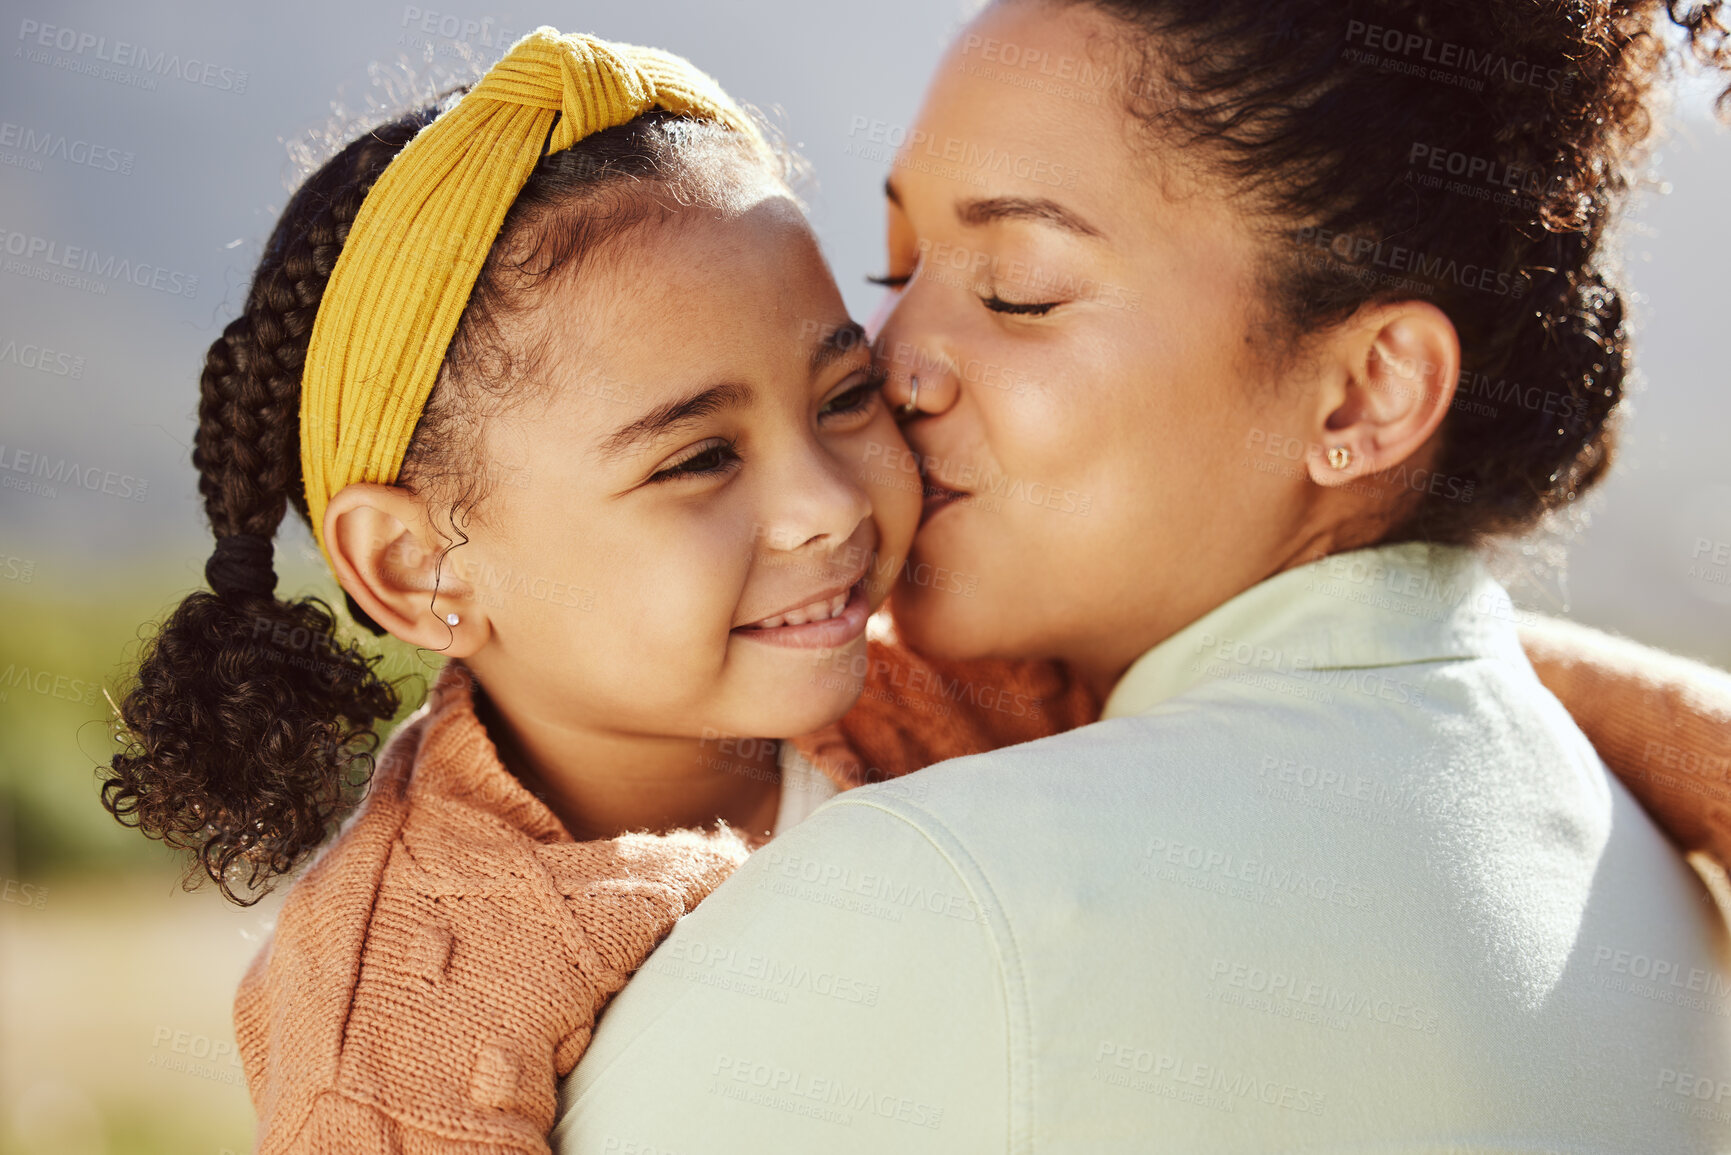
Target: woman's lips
938 497
828 634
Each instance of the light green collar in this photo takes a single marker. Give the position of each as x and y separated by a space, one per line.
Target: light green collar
1385 606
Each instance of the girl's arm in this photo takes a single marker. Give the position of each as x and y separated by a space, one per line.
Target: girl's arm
1660 722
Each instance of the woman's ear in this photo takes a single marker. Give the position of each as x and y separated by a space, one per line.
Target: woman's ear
1396 366
389 557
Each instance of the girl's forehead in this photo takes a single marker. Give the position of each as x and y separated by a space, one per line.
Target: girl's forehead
705 299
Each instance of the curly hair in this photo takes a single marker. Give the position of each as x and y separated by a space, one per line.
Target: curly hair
1473 152
252 724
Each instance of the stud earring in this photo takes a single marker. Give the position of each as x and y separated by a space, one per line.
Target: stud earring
1340 457
913 405
452 620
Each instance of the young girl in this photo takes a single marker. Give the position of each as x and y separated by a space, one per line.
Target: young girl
565 393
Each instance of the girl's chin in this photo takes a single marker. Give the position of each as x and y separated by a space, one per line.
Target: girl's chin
790 719
805 695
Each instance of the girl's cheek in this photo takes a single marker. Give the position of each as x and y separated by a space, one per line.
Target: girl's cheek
891 474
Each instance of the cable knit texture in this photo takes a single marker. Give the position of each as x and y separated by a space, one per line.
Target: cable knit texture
437 971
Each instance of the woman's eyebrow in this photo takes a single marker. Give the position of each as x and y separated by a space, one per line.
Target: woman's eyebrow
672 414
989 210
981 211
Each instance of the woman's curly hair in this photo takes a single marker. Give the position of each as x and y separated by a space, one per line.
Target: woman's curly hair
252 724
1479 147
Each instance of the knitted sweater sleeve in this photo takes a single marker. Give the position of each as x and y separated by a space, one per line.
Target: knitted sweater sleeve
915 711
1660 722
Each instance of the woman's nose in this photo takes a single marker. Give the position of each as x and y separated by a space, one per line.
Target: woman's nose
922 377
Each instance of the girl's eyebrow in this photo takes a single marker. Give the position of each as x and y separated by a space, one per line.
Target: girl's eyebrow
670 415
838 341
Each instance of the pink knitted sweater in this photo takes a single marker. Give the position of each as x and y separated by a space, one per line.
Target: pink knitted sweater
443 964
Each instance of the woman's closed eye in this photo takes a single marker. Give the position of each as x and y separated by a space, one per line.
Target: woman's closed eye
1017 308
991 301
711 458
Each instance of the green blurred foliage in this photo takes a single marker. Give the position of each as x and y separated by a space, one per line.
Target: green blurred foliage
66 650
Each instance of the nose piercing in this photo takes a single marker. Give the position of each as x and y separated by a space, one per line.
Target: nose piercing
913 405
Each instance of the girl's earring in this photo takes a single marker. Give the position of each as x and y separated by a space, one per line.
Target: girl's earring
1340 457
452 620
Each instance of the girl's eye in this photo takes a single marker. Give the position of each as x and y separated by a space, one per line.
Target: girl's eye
857 399
1036 309
890 281
713 457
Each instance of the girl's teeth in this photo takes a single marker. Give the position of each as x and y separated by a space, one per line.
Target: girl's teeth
816 612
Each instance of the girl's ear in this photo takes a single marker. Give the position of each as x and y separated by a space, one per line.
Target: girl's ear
1395 367
390 558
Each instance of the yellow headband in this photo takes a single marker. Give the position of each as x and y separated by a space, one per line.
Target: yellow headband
424 230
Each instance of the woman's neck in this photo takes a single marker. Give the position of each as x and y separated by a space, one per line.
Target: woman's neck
601 785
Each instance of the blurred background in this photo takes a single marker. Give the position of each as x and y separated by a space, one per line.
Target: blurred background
115 985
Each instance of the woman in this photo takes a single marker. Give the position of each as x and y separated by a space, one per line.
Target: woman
1335 872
